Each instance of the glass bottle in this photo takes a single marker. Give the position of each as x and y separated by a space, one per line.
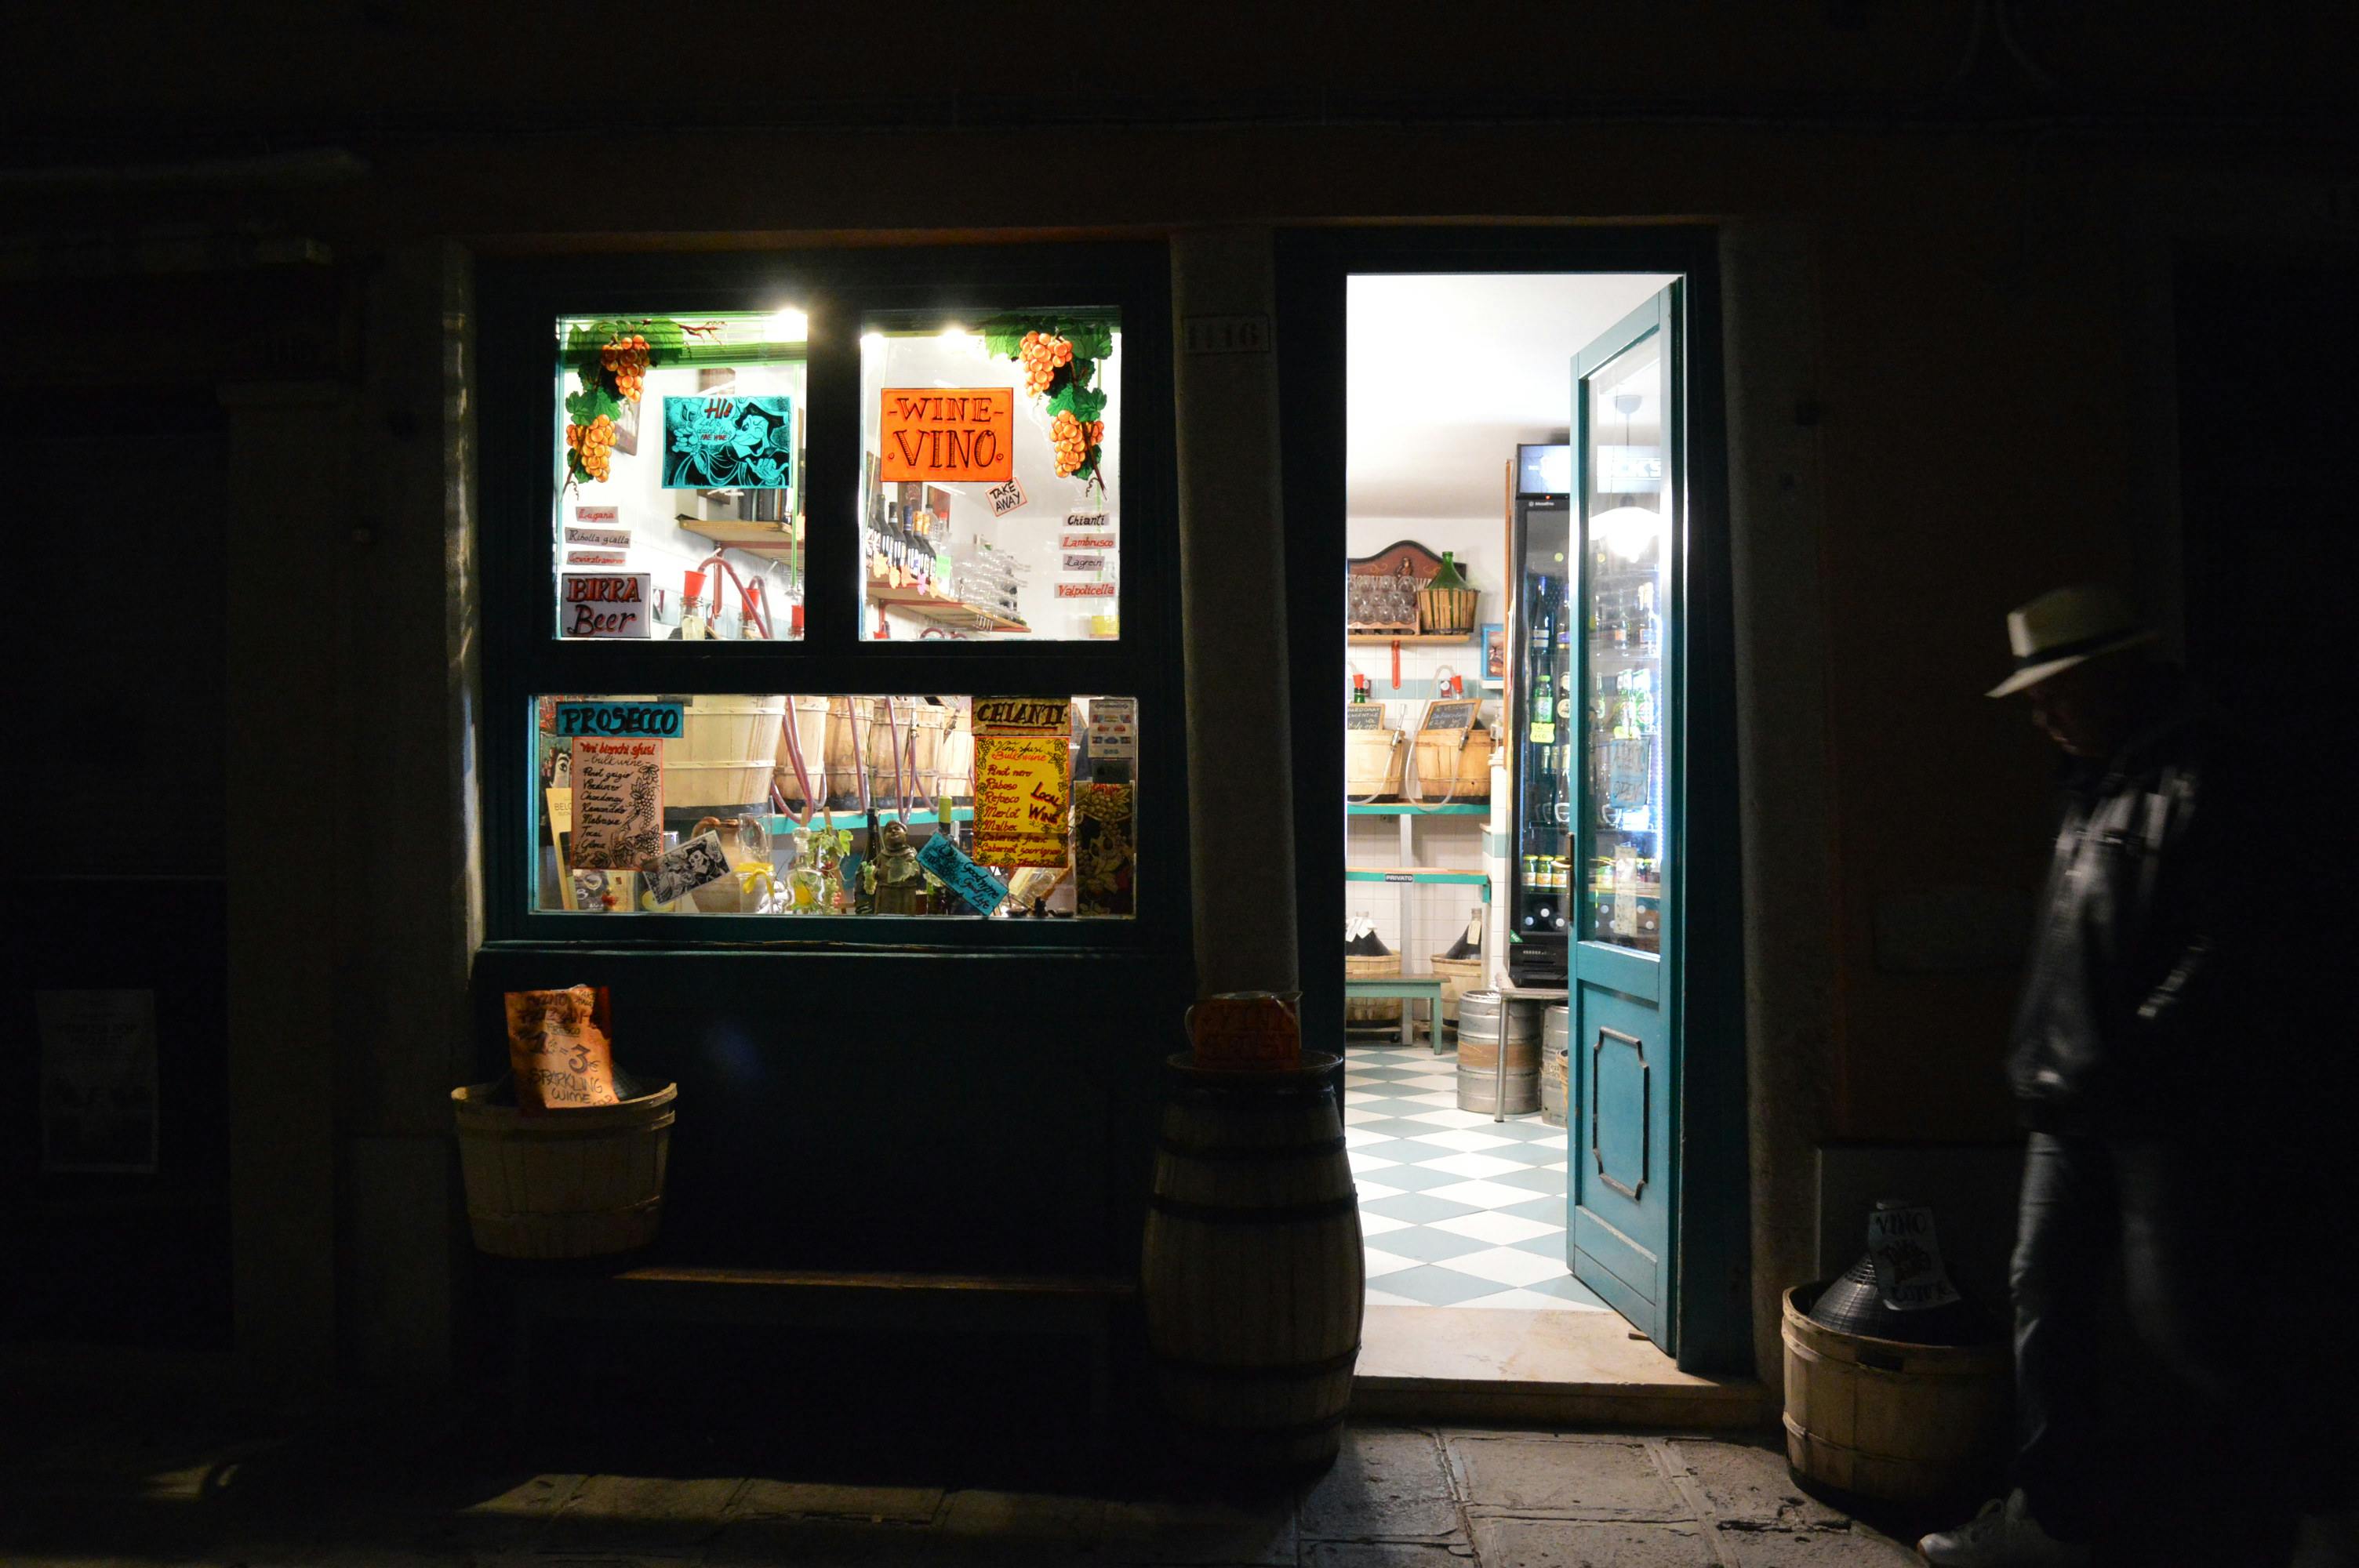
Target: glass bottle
1449 576
806 889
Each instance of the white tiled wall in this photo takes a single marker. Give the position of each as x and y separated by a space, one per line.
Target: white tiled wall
1441 910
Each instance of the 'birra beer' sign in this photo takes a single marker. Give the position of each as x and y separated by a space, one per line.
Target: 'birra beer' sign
602 604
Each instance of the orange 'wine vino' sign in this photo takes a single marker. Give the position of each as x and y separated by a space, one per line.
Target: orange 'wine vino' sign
946 435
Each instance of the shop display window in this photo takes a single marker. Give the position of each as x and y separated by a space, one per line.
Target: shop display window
786 806
678 441
990 476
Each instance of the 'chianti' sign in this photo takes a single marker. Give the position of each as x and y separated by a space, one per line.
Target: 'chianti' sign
949 434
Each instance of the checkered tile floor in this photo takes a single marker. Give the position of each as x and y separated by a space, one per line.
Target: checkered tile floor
1458 1210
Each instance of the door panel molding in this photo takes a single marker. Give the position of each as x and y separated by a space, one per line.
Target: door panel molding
1646 1110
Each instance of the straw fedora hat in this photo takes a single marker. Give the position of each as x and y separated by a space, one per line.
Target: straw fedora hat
2067 626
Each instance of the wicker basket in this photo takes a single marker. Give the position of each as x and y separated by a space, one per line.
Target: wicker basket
1371 1009
1458 976
1446 612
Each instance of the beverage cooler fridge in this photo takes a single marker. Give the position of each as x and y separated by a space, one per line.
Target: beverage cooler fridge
1537 713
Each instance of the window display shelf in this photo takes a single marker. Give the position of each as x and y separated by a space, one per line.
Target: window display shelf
1409 808
1409 639
935 607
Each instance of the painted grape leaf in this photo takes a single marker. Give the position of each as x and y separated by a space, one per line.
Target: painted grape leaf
1084 402
1092 336
584 407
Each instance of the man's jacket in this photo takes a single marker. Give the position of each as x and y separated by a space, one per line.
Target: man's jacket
2139 930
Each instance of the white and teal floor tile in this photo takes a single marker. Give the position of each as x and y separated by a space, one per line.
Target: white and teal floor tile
1456 1209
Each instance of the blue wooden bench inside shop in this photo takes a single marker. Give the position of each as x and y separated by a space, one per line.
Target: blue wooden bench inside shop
1412 987
1079 1306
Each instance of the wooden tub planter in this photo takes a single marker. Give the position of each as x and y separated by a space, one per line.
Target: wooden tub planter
1897 1422
578 1183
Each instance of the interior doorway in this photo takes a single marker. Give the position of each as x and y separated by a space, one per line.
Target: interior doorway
1512 458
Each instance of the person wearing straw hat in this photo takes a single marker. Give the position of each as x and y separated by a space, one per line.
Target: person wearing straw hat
2144 956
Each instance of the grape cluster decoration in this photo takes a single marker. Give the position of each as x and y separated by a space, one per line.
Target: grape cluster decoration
610 360
1060 357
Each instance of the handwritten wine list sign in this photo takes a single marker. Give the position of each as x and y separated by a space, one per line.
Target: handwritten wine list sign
1023 785
617 802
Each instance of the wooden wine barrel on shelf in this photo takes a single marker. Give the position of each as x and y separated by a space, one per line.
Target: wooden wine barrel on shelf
1252 1277
721 763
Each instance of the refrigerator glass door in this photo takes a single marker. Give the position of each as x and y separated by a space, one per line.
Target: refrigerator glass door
1541 911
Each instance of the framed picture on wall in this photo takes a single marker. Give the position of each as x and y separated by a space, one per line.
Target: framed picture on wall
1494 655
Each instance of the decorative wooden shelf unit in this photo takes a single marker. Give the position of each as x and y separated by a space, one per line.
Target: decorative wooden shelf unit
934 607
754 538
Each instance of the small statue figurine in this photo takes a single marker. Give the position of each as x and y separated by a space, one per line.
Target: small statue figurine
898 879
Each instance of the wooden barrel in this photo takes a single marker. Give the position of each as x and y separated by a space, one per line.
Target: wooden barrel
919 725
844 769
1253 1277
1556 1085
806 718
726 752
954 768
1899 1422
1360 1010
1483 1018
563 1184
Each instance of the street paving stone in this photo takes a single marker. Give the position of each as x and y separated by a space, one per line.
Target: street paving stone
1748 1482
1554 1543
630 1513
1388 1485
1573 1477
1399 1496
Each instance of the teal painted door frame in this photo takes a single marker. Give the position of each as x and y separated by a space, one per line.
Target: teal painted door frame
1709 1321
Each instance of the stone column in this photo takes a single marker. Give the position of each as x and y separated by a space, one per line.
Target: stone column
413 673
1233 586
292 815
1775 505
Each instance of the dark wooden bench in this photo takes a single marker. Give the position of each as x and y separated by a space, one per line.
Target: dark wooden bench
1083 1306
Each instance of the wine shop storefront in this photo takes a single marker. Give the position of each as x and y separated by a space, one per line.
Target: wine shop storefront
866 658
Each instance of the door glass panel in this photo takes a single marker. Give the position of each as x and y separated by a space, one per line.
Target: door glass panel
679 445
1627 503
991 483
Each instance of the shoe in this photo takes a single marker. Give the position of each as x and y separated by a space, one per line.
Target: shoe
2003 1535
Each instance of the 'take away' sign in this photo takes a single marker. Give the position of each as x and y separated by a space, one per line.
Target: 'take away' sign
949 434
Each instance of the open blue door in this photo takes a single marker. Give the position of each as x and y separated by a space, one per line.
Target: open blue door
1623 971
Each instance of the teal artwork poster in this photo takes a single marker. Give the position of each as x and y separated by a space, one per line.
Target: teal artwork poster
729 443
